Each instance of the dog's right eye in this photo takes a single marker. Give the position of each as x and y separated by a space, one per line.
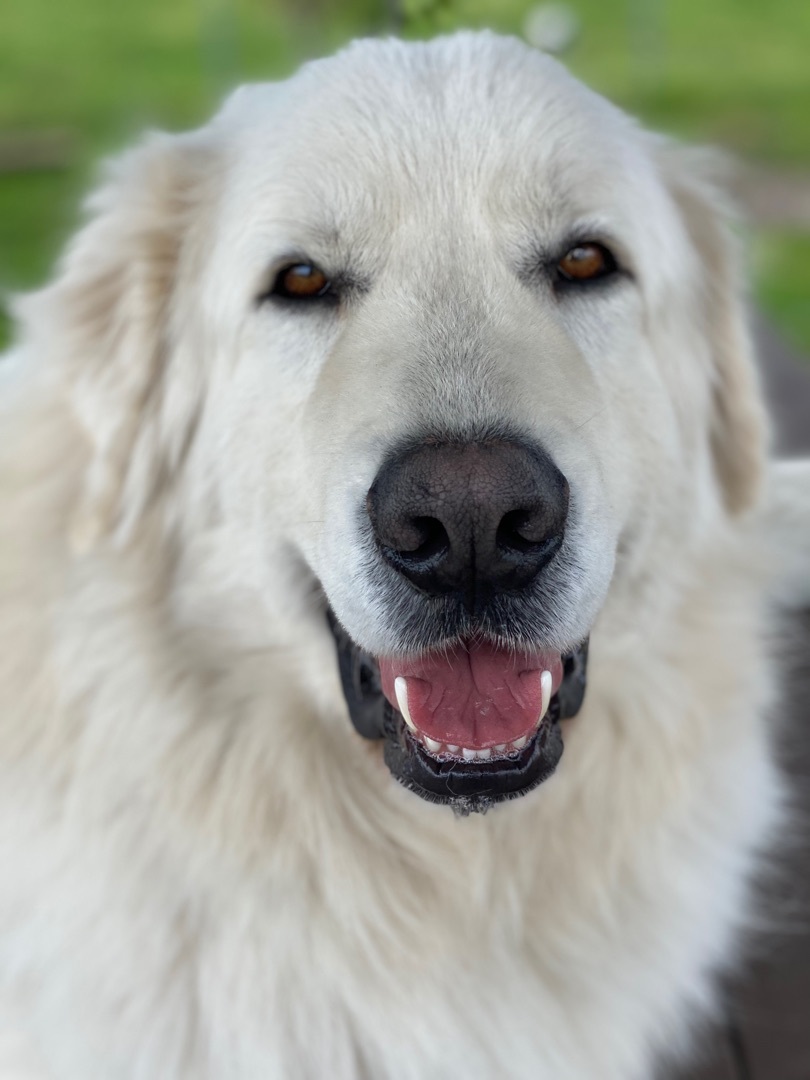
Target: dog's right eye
301 281
586 262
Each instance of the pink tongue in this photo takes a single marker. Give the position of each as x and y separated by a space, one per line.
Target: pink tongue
476 696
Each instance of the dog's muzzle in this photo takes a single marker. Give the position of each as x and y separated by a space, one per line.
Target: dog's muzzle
441 771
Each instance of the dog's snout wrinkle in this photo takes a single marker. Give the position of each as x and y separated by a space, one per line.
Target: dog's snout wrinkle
471 520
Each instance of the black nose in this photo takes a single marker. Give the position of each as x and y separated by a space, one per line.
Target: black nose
469 519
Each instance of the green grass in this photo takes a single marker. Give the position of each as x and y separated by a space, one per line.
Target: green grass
782 264
729 71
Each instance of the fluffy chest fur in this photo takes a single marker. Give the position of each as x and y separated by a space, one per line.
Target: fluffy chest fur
183 905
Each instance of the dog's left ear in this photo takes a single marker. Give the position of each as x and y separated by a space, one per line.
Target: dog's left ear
739 426
113 325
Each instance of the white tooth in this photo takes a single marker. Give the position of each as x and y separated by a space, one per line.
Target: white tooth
499 749
485 755
452 748
521 742
468 755
401 690
545 694
432 745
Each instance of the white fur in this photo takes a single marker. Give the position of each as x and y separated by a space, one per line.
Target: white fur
206 873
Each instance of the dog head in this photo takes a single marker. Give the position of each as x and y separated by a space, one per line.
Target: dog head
432 335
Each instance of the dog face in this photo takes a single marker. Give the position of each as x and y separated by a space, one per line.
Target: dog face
438 332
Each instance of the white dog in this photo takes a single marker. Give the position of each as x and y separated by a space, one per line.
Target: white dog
423 368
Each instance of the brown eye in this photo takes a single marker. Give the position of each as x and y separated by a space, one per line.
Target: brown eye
301 281
586 262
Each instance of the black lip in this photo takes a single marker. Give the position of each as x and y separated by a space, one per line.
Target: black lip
472 787
465 786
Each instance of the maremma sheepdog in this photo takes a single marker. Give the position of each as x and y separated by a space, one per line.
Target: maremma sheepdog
387 557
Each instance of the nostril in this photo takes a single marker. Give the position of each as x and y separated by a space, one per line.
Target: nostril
526 541
524 531
511 533
422 540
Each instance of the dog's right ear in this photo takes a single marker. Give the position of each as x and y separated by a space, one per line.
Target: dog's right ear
111 322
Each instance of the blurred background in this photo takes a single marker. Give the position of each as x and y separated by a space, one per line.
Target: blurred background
81 78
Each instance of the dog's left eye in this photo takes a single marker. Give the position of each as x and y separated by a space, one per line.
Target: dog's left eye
586 262
301 281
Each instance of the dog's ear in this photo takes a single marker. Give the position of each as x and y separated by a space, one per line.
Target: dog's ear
112 321
695 179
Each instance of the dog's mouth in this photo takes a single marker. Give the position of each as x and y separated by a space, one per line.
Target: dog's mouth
470 725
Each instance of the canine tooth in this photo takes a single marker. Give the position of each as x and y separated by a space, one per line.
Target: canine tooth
545 694
520 743
401 690
499 749
453 748
485 755
432 745
468 755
